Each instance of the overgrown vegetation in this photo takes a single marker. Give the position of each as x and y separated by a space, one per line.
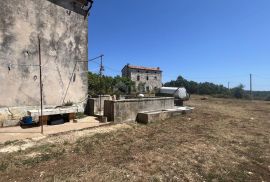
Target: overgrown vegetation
109 85
262 95
80 115
208 88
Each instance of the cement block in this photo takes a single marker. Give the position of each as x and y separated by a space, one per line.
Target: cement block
149 117
47 112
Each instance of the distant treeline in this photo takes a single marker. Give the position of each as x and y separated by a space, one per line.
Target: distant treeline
208 88
261 95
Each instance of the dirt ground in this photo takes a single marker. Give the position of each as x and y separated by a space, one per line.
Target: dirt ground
19 133
222 140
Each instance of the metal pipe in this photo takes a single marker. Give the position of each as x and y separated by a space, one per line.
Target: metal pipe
41 86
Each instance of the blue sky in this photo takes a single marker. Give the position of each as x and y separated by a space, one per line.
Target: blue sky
219 41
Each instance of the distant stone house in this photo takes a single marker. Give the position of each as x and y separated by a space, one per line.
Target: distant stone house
146 79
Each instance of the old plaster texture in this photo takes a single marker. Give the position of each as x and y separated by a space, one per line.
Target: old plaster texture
63 34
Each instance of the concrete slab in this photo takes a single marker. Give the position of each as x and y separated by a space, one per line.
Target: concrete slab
18 133
152 116
54 111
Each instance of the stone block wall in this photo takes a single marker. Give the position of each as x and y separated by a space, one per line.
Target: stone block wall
151 79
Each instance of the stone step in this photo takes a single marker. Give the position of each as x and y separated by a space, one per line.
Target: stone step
153 116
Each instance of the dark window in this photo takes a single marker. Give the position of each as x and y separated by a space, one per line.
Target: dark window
74 77
155 78
147 78
138 78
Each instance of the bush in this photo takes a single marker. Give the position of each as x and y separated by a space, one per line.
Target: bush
238 92
109 85
267 98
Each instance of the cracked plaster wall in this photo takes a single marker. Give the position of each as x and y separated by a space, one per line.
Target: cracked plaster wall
63 42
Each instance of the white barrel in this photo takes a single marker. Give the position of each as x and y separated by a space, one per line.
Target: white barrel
177 92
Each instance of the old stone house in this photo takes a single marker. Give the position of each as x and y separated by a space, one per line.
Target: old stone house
146 79
62 26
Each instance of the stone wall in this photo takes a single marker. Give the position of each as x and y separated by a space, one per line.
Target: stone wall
127 110
63 32
152 79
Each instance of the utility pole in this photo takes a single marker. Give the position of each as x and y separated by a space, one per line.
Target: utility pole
250 81
229 91
101 69
41 86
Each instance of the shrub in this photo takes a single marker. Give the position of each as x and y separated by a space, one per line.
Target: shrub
267 98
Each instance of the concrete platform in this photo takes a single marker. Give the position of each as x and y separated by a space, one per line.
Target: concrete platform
18 133
152 116
53 111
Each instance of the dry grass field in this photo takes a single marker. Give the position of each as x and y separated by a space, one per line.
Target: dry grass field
222 140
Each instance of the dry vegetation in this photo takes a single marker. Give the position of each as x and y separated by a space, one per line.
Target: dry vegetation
222 140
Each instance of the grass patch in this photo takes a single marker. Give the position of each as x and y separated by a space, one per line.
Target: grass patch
90 144
10 142
3 166
66 143
53 155
80 115
45 148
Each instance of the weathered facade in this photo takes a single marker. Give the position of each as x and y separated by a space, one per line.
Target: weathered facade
146 79
62 27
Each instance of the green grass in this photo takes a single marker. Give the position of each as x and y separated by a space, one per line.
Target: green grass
80 115
10 142
3 166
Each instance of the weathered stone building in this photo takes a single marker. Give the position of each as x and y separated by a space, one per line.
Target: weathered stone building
62 26
146 79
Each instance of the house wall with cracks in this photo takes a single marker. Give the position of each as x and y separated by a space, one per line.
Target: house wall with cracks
63 30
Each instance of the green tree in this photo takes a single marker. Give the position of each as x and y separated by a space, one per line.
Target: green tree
93 84
109 85
238 92
207 88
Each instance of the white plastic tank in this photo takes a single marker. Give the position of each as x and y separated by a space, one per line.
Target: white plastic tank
177 92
